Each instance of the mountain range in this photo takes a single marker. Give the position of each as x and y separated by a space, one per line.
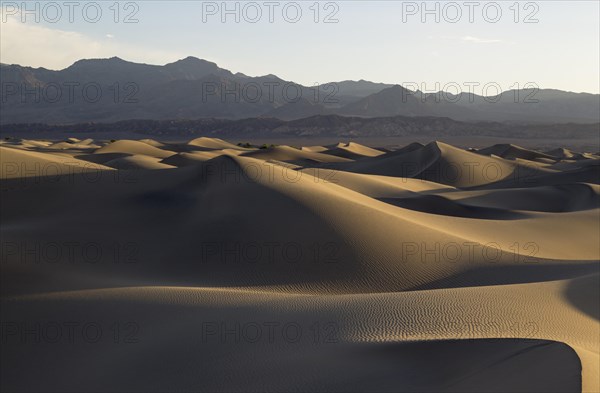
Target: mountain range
111 90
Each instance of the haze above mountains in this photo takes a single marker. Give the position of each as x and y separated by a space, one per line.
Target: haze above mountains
109 90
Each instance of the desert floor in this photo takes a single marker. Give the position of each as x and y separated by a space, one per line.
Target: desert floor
139 265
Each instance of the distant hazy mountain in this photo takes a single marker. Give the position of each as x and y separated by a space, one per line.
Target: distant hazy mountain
109 90
538 106
393 101
297 110
338 94
547 105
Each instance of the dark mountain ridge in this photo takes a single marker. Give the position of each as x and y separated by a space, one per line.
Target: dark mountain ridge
111 90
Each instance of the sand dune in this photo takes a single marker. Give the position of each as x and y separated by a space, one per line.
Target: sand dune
134 147
290 154
562 153
152 142
74 143
444 164
425 268
556 198
352 150
513 152
315 149
17 163
138 162
214 144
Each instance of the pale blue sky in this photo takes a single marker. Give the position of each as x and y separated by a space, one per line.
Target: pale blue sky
370 41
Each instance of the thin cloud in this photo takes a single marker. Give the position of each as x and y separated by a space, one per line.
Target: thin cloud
39 46
478 40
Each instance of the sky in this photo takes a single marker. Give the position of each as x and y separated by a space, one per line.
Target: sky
453 46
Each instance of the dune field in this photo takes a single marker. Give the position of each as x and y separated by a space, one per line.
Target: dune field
139 265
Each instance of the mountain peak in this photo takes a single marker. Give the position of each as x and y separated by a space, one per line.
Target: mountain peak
113 59
99 62
192 68
192 61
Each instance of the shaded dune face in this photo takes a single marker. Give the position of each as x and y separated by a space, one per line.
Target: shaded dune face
433 267
468 365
